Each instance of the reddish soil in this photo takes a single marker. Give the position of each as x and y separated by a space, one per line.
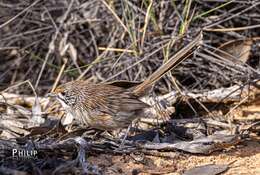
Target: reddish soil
244 159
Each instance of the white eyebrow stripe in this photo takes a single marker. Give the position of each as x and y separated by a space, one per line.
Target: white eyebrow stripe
62 101
60 96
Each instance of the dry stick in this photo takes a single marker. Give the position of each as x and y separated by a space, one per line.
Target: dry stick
138 62
235 107
232 29
52 43
8 48
51 50
22 34
146 22
115 15
121 55
19 84
237 14
16 16
231 33
212 10
233 61
97 59
115 49
60 73
33 89
52 20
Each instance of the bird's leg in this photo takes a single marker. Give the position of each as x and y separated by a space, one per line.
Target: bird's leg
125 136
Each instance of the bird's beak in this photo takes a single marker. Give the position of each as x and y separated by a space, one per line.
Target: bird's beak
52 94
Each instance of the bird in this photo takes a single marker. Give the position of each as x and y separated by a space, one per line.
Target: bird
101 106
110 107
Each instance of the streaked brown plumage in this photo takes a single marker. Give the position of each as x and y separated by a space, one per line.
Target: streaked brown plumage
109 107
101 106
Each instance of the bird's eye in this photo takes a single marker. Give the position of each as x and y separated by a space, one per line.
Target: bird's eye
63 93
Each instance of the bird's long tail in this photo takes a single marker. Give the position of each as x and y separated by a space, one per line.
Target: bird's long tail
174 61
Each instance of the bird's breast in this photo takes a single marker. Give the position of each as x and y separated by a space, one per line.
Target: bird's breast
97 119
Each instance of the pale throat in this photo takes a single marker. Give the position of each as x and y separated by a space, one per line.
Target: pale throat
63 104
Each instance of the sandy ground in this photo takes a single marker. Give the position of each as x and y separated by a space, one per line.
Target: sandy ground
244 159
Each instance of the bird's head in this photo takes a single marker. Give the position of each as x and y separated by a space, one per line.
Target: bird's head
66 94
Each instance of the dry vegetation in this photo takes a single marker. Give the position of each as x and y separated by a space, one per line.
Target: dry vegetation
215 91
